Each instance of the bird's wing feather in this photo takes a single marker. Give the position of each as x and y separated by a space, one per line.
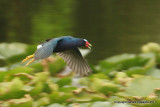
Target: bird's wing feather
75 61
46 50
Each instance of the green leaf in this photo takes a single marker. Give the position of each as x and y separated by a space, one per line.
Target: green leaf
80 105
101 104
38 67
67 89
41 102
104 86
85 96
135 70
122 62
22 102
29 50
64 81
141 86
60 97
41 77
7 75
11 49
56 105
57 65
154 72
27 88
37 89
13 89
151 47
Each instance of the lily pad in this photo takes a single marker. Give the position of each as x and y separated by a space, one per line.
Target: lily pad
122 62
154 72
7 75
101 104
13 89
60 97
141 86
56 105
22 102
11 49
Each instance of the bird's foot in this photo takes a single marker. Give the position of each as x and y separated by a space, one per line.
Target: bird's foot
27 58
32 60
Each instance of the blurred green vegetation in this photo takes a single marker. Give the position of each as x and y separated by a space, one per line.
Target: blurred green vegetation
108 24
125 77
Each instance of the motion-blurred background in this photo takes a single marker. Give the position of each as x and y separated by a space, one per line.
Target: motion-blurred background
117 29
112 26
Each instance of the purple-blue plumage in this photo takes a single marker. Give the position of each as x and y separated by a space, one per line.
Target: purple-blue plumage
66 47
68 42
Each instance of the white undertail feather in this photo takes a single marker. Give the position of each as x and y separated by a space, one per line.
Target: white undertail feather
39 46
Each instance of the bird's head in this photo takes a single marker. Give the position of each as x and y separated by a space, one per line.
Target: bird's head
87 44
76 42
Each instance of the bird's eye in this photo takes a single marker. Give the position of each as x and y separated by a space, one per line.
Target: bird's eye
85 40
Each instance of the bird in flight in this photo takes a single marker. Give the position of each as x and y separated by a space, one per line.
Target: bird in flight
67 48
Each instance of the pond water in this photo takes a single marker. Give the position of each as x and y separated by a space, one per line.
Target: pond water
112 26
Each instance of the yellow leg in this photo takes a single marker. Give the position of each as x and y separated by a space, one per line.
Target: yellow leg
32 60
27 58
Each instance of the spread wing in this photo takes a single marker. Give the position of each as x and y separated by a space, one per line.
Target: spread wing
75 61
46 50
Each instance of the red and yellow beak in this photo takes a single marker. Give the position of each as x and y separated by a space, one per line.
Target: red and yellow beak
88 45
